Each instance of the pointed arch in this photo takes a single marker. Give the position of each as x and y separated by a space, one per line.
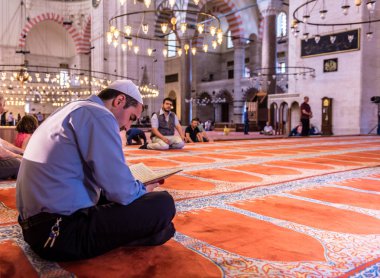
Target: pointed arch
73 32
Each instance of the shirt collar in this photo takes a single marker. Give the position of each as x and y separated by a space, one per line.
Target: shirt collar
96 99
162 112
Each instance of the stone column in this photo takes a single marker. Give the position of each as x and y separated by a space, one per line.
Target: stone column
186 80
239 66
269 9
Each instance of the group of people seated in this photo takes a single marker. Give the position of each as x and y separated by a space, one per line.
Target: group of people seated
164 124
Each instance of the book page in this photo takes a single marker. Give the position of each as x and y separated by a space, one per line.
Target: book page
144 174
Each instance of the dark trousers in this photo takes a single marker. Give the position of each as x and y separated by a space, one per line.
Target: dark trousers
305 127
9 168
96 230
136 138
246 128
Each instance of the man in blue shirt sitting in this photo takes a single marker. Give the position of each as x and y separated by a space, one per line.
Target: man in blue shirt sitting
75 194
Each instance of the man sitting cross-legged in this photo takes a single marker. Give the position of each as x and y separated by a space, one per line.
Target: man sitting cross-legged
163 125
192 132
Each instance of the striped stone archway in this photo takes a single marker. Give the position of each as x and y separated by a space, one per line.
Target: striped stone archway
81 41
234 20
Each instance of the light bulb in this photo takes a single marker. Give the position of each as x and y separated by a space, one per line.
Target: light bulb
112 29
205 47
212 30
200 28
116 33
124 46
345 9
322 14
306 18
147 3
214 44
129 43
350 38
317 38
179 52
369 35
173 21
128 30
115 43
150 51
332 39
109 37
306 36
145 28
122 2
194 50
183 27
196 2
164 27
136 49
165 52
186 47
358 3
371 6
171 3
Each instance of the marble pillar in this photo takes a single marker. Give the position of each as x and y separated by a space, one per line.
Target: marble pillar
239 67
186 80
269 10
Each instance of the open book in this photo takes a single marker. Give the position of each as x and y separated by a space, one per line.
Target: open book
144 174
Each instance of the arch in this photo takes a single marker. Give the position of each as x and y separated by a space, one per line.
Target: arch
85 45
294 114
273 116
234 20
76 36
284 125
223 110
250 94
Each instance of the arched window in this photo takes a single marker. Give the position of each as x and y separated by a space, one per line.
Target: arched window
230 43
172 44
281 25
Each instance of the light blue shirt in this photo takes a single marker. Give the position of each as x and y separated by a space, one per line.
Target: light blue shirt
154 119
74 154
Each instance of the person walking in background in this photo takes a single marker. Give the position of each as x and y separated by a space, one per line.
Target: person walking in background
25 128
246 121
306 115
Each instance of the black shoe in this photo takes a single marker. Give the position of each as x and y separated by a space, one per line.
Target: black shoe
144 147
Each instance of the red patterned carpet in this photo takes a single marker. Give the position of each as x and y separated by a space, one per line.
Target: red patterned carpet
304 207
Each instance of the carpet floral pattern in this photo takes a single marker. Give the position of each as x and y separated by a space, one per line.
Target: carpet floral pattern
259 208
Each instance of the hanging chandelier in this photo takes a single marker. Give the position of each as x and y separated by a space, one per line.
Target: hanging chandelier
261 78
132 30
316 13
56 85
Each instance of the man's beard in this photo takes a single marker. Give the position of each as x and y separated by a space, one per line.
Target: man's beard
166 110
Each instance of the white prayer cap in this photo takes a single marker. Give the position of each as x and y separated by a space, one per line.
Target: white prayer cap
127 87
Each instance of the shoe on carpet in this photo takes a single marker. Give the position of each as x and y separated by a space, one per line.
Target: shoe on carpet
144 146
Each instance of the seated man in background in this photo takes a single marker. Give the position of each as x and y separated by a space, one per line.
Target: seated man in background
202 132
192 132
136 135
297 131
268 130
10 155
164 124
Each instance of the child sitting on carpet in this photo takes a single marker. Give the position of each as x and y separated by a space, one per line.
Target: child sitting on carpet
25 129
